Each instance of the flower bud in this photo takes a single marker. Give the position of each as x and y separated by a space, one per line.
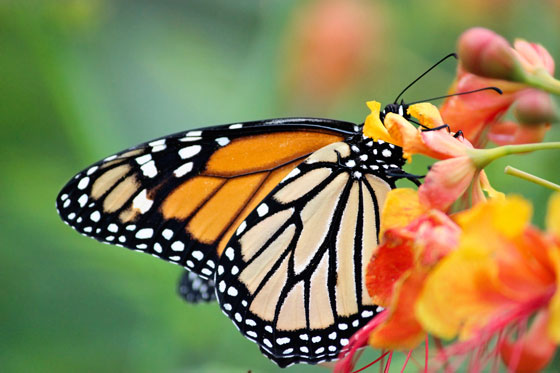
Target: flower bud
485 53
535 107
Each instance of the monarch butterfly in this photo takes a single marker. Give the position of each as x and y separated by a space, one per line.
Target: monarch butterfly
276 219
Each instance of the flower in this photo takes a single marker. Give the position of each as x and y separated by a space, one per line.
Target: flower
486 59
502 272
411 244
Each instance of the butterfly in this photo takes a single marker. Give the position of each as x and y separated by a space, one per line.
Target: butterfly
275 219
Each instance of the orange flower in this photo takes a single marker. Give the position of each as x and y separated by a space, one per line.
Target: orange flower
503 272
395 276
486 59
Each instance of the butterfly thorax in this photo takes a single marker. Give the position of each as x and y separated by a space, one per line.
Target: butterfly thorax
372 157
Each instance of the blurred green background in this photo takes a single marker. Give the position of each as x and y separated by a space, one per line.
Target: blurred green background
81 79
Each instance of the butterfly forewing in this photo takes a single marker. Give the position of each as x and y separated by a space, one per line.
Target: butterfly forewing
181 197
292 276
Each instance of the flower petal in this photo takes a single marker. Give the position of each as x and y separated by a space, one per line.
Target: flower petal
509 216
401 330
394 257
460 294
446 181
373 127
427 114
402 206
553 215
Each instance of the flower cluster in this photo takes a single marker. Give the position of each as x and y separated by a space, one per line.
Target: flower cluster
523 73
457 260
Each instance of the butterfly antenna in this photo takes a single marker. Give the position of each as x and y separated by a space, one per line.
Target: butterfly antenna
425 72
496 89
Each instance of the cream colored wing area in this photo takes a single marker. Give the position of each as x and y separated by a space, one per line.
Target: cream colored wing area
302 185
320 310
292 313
255 238
255 272
316 217
346 302
329 153
264 304
369 240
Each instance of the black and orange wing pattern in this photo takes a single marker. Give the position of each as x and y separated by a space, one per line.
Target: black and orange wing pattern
292 277
181 197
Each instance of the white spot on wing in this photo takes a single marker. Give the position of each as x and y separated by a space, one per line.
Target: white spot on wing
142 202
262 209
92 170
95 216
149 169
386 153
241 228
193 133
190 139
144 233
177 246
367 313
229 253
236 126
167 233
189 151
197 254
222 141
143 159
113 228
83 183
184 169
82 200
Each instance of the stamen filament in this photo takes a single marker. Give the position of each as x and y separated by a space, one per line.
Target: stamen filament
532 178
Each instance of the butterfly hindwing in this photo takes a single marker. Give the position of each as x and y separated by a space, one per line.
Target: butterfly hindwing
292 276
181 197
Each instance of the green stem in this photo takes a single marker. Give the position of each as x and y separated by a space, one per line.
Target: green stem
543 80
482 157
532 178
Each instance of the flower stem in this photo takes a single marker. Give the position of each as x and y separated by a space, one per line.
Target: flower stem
532 178
543 80
482 157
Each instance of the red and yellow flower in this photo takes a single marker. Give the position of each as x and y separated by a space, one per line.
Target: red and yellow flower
487 59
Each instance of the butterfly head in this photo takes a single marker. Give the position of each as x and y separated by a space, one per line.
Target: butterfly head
400 109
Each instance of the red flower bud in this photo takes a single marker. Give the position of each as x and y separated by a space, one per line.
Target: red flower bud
485 53
535 107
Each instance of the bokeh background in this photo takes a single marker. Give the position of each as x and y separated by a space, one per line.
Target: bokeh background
81 79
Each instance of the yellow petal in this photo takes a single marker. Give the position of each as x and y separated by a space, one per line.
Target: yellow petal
553 215
554 305
402 206
485 185
373 127
507 216
458 296
427 114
